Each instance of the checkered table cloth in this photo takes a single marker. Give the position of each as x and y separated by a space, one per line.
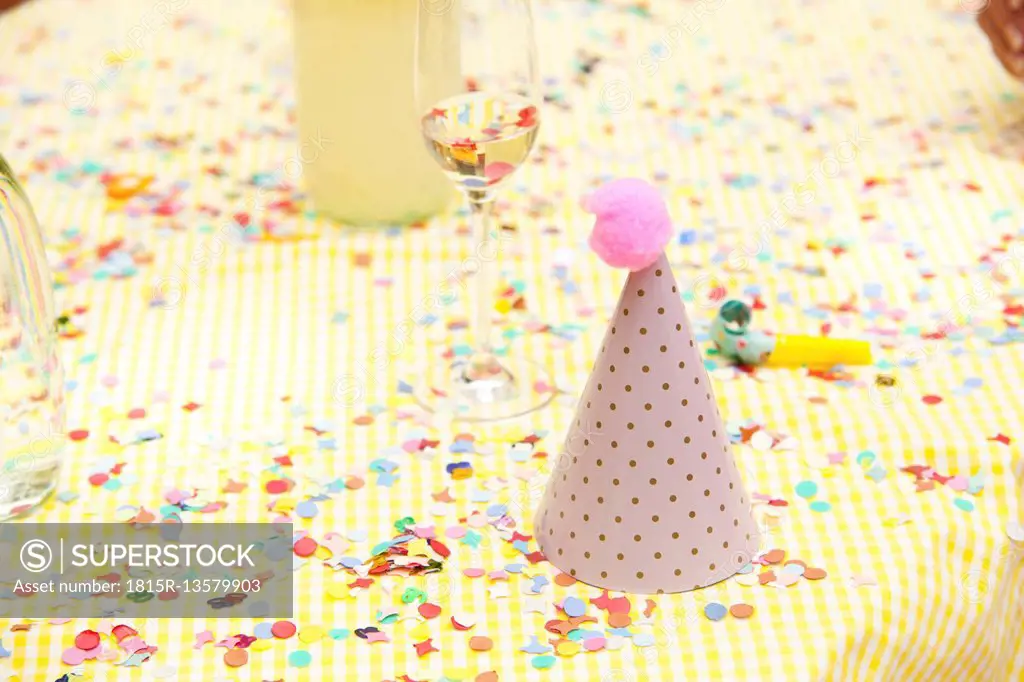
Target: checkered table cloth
853 166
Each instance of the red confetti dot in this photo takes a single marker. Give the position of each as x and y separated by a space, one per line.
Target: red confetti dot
78 434
87 640
305 546
98 479
122 631
137 413
931 400
277 486
429 611
282 629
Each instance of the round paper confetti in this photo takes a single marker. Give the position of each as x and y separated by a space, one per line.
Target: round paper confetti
236 658
963 504
87 639
479 643
543 662
775 556
812 573
72 656
299 659
283 629
574 607
715 611
305 547
820 506
567 648
806 489
311 634
741 610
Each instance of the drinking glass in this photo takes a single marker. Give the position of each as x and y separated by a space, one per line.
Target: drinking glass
31 381
480 128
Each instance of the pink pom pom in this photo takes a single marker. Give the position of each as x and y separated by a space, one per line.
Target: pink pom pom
633 226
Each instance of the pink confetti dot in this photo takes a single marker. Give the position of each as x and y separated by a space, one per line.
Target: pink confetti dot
98 479
72 656
110 381
455 532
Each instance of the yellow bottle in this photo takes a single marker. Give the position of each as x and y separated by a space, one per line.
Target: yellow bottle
360 151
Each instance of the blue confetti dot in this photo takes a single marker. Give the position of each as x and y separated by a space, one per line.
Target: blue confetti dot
336 634
715 611
262 631
574 607
973 382
306 509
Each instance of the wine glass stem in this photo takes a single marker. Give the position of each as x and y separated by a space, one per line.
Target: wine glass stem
487 258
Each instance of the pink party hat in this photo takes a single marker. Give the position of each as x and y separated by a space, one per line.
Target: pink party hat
646 496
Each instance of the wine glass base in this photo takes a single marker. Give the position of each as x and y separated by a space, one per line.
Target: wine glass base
502 388
20 494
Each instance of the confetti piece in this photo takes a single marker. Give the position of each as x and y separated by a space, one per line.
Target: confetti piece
236 658
574 607
806 489
814 573
479 643
714 611
299 659
543 662
283 629
931 400
820 506
741 610
963 504
87 639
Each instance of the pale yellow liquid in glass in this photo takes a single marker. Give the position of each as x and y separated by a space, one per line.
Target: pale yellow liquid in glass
363 157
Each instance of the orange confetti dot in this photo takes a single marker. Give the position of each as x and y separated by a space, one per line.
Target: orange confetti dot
741 610
766 577
775 556
363 420
564 580
479 643
236 658
815 573
489 676
619 620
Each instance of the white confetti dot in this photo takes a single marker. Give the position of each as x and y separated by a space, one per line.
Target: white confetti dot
163 672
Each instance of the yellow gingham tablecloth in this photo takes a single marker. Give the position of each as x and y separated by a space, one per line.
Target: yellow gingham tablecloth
851 165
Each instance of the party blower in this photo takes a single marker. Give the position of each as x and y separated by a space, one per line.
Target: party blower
734 338
645 496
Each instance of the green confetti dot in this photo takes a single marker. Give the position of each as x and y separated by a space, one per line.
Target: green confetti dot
963 504
807 489
820 506
299 659
543 662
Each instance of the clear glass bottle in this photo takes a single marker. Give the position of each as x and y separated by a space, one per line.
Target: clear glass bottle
31 379
360 153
